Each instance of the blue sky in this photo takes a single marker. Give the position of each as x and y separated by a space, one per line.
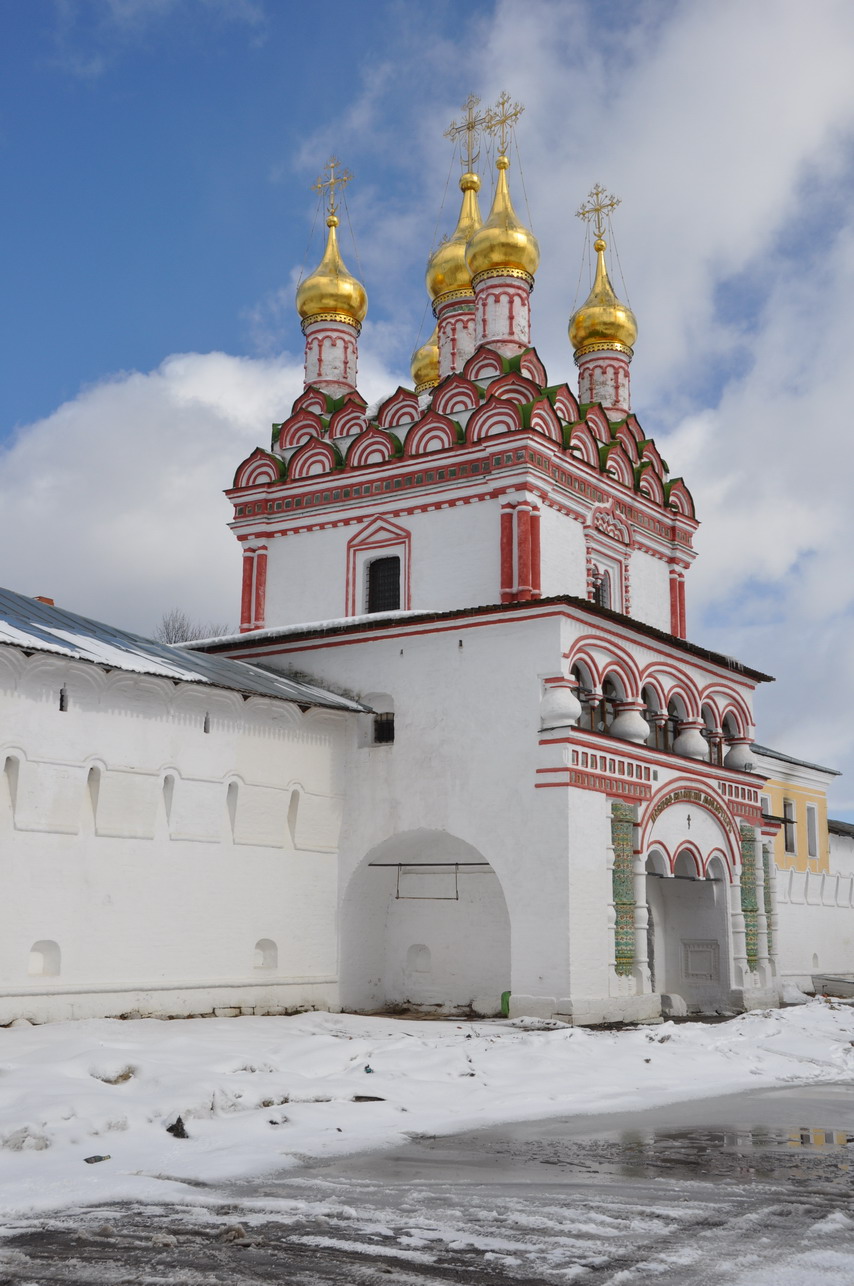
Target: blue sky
158 156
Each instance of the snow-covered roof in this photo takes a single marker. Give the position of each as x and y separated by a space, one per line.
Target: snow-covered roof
35 626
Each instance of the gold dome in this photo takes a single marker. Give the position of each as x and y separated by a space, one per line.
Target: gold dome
447 269
602 321
425 363
331 292
503 243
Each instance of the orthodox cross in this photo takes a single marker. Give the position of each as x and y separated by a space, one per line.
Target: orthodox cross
328 186
599 206
501 117
470 126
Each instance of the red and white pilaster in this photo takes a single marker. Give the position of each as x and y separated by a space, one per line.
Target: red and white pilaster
254 592
520 552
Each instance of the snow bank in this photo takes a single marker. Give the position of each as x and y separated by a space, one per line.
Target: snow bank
261 1094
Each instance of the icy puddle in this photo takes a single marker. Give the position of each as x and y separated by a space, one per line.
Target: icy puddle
749 1190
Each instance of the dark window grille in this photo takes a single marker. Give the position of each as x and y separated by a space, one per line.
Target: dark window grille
789 834
383 729
384 585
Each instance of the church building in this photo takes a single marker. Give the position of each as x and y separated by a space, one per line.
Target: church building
502 777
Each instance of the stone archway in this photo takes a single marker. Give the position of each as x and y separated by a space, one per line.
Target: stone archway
689 949
424 925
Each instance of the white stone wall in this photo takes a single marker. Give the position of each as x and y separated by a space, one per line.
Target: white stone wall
563 554
650 589
149 857
815 912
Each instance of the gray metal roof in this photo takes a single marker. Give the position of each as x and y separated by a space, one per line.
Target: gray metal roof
840 828
40 627
788 759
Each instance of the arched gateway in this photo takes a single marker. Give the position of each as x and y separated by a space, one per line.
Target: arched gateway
424 925
691 847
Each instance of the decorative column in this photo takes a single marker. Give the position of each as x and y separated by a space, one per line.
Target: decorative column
762 958
740 968
769 867
622 839
677 602
749 903
641 969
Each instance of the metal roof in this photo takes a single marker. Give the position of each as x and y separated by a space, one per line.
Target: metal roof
788 759
34 626
391 620
840 828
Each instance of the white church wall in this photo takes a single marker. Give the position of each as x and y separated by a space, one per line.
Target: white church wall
154 855
463 763
563 554
306 576
650 584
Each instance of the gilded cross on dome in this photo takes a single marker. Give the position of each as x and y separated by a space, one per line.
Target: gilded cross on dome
599 205
328 185
501 117
470 126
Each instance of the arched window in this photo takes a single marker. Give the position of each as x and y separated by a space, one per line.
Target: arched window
611 694
655 718
383 584
713 735
602 595
293 816
584 691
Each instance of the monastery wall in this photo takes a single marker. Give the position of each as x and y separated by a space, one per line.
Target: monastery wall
815 912
167 848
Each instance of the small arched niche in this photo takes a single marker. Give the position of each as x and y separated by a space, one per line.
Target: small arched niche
685 867
45 959
266 954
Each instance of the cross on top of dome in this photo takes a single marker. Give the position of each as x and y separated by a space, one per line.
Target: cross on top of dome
598 206
328 185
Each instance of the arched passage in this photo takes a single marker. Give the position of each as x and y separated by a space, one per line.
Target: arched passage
424 925
687 888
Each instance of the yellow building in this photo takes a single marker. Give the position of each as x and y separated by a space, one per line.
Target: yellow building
796 795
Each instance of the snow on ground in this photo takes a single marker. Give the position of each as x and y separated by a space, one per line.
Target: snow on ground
262 1094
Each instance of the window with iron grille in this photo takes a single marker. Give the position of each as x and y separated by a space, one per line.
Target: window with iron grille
383 729
384 584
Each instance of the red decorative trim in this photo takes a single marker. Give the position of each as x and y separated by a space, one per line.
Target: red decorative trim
484 365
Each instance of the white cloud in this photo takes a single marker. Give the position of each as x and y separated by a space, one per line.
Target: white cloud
113 504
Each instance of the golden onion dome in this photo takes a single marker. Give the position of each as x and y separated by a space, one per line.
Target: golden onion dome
447 270
602 321
425 364
503 243
330 291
